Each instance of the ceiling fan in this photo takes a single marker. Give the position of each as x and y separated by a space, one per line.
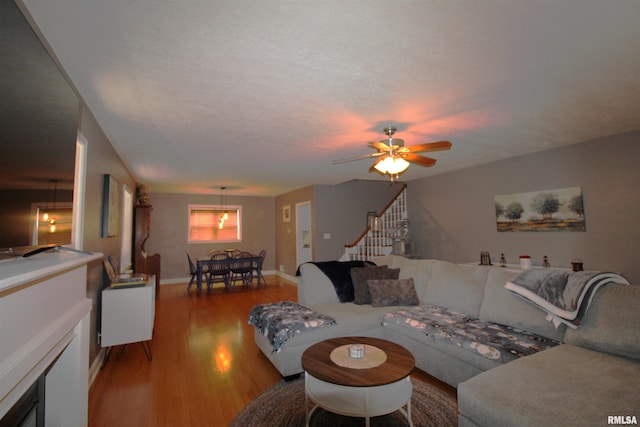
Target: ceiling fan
394 158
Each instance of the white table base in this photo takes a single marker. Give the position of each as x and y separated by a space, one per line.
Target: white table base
364 402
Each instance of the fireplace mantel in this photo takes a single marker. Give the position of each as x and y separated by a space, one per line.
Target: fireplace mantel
44 328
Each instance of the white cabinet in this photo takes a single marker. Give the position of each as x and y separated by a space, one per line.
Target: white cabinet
128 314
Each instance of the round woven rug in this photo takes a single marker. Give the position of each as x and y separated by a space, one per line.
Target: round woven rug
282 405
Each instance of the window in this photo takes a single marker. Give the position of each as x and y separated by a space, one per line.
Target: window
207 223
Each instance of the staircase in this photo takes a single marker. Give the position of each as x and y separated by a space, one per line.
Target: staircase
387 234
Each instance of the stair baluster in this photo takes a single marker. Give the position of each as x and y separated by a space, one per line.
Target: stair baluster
392 225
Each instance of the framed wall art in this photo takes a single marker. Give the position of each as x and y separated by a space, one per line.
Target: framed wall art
549 210
110 207
286 213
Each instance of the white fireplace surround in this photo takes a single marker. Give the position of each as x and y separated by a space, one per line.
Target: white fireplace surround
44 327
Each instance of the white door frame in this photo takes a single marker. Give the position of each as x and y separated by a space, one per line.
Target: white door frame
304 240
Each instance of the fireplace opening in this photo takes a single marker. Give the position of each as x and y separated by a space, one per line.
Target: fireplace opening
28 411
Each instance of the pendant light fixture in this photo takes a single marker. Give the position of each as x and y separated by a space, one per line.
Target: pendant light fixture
47 216
225 215
52 221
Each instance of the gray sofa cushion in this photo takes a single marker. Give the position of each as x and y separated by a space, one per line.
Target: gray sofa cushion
562 386
503 307
458 287
419 270
611 323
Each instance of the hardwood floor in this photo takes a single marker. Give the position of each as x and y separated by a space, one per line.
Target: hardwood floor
205 365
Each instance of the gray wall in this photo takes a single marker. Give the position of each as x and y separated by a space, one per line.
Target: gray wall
341 211
338 210
101 159
169 225
453 215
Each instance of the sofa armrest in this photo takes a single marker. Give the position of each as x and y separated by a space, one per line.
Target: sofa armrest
611 322
314 287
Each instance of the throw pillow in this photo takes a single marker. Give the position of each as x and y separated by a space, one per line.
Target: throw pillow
392 273
359 277
388 292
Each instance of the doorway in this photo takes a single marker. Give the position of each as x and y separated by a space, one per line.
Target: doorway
304 248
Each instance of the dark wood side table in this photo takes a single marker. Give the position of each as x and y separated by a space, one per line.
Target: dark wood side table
142 262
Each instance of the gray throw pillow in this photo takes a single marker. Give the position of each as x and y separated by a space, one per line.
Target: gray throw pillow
389 292
359 277
392 273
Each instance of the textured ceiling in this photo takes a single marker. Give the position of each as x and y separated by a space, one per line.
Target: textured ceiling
261 96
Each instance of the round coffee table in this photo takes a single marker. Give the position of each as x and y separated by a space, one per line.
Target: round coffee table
356 391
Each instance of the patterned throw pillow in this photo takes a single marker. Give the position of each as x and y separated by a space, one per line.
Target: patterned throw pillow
359 277
393 292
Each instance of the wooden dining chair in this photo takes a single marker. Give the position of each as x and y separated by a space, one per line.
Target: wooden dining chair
257 267
193 270
219 269
242 268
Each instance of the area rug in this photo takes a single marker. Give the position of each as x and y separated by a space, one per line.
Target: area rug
282 405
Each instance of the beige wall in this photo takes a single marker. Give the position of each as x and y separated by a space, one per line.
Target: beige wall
286 231
453 215
169 225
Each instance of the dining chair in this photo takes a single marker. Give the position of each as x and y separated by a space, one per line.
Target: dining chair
219 270
233 253
194 273
257 267
242 268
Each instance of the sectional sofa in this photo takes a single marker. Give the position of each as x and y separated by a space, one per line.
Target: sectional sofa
511 365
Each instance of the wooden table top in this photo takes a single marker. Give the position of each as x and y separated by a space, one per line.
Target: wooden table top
317 362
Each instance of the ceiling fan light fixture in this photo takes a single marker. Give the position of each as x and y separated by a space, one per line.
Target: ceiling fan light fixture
394 158
392 165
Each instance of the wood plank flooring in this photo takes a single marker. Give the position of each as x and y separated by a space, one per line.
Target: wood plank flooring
205 365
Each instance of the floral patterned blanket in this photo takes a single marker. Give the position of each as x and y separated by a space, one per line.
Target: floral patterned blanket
493 341
282 320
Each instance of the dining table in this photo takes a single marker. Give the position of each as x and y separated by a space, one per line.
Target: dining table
255 260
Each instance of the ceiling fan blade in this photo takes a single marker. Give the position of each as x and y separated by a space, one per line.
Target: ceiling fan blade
352 159
419 160
379 145
430 146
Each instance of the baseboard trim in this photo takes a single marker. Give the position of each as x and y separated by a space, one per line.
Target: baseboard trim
96 365
286 277
266 272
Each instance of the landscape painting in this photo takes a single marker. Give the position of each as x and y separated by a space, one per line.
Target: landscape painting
548 210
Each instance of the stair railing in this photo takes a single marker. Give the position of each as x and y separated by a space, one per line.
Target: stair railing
378 238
